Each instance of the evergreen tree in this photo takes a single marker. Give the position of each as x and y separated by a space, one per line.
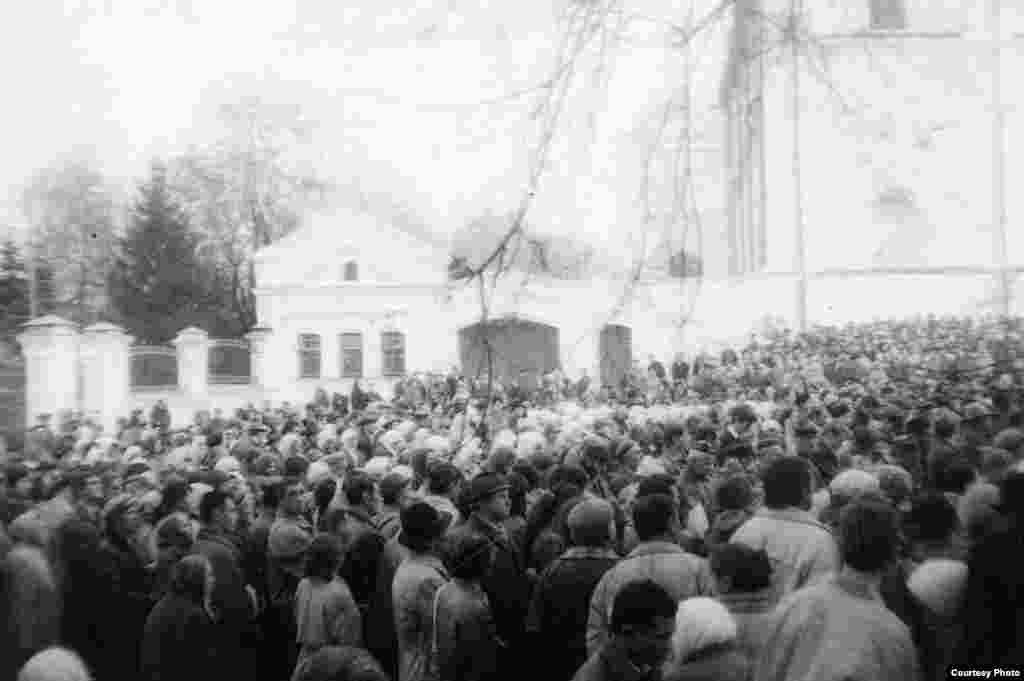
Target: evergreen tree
14 303
158 285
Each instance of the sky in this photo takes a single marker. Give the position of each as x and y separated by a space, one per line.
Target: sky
412 99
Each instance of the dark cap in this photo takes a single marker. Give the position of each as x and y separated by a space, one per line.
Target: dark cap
485 486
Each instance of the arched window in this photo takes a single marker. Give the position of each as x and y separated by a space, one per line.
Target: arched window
351 271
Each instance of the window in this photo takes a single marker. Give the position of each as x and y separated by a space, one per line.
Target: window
351 271
351 355
393 348
888 15
309 355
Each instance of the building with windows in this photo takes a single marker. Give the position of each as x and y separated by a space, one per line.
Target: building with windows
867 154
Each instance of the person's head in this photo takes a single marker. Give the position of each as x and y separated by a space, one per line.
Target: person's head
956 477
217 510
443 479
489 497
422 526
360 491
31 598
868 535
787 483
394 490
591 523
654 517
324 557
469 556
734 494
931 519
738 568
643 622
192 578
701 623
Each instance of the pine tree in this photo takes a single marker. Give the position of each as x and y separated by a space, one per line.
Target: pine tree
158 285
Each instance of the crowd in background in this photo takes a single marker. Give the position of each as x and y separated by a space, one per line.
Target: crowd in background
839 504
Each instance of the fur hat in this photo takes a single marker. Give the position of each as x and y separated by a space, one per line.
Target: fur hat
939 584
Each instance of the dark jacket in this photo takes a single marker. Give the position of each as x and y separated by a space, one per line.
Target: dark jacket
609 663
507 585
467 645
561 605
993 614
230 600
178 642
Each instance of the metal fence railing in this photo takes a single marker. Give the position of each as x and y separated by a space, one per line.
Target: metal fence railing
153 367
230 362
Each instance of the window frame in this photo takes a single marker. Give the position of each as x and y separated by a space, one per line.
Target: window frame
386 351
343 349
307 350
350 267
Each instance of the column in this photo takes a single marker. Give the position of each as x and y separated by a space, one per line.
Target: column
258 339
193 347
51 348
106 365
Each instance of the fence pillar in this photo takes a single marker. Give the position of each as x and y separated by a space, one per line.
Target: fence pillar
258 338
51 348
193 346
106 365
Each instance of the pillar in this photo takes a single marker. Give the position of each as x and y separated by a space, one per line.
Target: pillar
258 339
51 348
193 346
106 367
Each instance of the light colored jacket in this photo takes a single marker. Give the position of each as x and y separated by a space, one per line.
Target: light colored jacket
682 574
834 631
802 551
412 593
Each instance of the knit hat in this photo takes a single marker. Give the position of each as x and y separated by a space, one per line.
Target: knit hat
939 584
590 521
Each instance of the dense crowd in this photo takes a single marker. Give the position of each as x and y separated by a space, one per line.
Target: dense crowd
840 504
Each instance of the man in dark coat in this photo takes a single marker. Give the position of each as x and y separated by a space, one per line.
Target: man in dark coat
994 602
507 584
232 604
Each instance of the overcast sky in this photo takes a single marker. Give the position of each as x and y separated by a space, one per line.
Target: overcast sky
403 94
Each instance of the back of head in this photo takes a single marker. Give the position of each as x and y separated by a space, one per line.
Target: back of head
652 516
656 484
324 557
932 518
701 623
590 523
357 485
54 664
787 483
868 535
741 568
638 604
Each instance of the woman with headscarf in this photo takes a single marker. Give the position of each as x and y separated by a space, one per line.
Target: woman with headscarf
705 644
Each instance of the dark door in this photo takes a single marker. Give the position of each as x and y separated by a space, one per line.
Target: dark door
512 346
616 349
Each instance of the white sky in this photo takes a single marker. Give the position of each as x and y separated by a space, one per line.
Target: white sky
395 88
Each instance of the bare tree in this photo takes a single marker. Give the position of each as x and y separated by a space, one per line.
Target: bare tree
72 212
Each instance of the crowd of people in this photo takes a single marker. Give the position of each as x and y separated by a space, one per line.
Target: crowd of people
840 504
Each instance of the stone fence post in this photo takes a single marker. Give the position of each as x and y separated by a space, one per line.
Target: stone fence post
106 367
193 346
51 348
